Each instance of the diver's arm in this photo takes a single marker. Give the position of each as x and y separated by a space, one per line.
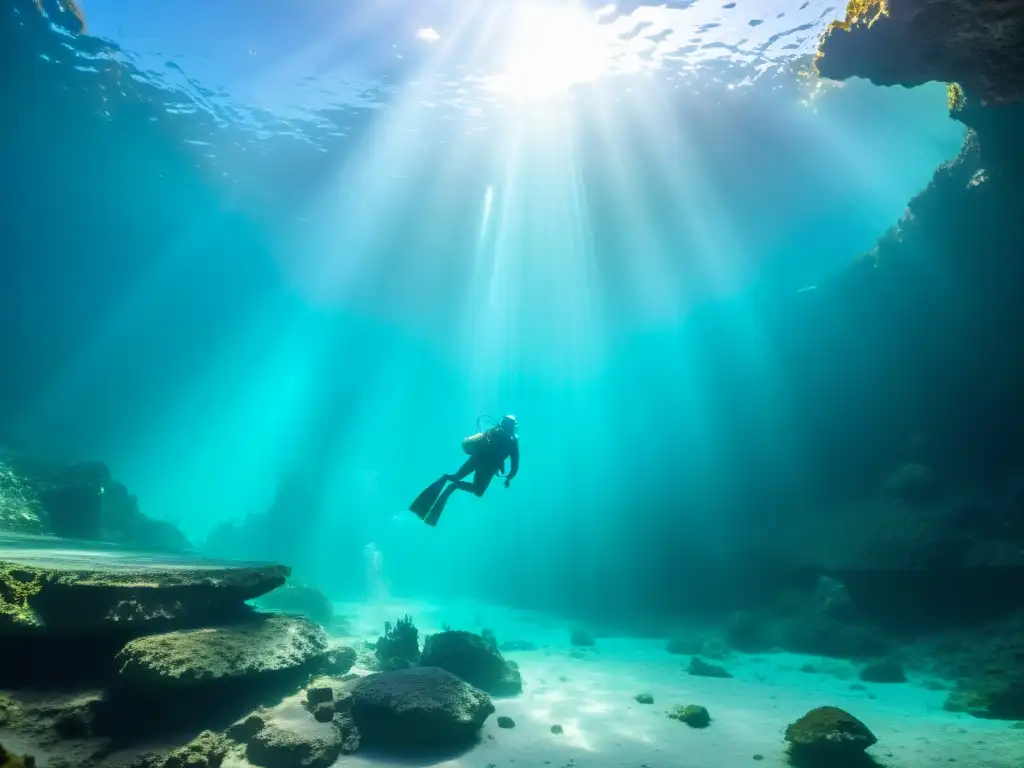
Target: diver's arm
513 455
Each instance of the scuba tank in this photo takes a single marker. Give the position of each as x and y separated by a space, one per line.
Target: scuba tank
472 444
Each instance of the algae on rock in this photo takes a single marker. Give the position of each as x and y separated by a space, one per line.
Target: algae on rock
267 645
17 588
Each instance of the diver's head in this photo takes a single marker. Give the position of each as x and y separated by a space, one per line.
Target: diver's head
508 423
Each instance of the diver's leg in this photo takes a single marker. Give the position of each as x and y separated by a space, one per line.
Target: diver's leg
481 479
468 466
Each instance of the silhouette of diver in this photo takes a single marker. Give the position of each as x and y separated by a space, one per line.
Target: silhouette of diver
487 451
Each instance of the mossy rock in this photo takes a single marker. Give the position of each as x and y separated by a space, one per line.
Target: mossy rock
272 645
828 733
18 587
694 715
207 750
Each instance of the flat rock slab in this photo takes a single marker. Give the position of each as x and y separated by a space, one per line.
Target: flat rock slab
266 646
50 585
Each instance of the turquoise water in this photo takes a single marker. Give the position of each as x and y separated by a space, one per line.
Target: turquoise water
274 239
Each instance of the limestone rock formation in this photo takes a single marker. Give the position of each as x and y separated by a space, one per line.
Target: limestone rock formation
977 43
418 707
77 501
473 659
990 674
52 589
270 645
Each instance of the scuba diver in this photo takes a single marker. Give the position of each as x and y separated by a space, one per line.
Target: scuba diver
487 451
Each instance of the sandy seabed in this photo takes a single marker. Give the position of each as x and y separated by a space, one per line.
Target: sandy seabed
593 699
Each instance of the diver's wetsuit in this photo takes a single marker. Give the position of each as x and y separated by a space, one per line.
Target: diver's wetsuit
486 463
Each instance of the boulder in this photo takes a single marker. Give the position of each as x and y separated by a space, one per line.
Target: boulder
60 589
418 707
474 659
340 658
828 735
290 737
271 646
700 668
694 715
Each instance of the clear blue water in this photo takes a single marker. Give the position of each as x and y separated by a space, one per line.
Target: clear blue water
249 238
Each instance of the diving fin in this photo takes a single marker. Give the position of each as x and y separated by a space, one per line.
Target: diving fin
421 504
435 511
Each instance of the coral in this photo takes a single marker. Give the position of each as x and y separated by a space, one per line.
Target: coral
400 646
693 715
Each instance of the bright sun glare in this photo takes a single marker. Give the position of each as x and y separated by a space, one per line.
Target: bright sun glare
551 49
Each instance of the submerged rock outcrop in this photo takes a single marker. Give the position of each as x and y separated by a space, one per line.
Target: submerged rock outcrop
44 591
921 330
977 43
80 501
262 647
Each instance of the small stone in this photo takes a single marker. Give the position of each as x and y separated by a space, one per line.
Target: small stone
556 729
506 722
644 698
693 715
